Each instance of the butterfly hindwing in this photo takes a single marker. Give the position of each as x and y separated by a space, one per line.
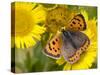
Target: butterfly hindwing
52 48
74 44
77 23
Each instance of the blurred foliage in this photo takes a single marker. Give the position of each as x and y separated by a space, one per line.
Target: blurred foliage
33 59
89 9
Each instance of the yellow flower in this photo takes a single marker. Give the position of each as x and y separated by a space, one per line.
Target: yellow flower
58 18
88 57
26 24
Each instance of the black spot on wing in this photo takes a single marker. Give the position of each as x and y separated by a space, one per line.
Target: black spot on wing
50 46
83 20
80 25
80 20
73 22
55 50
53 42
50 54
77 19
56 39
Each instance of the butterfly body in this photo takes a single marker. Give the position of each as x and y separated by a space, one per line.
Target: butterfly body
70 43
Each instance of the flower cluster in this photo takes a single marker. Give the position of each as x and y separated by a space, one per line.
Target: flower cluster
26 24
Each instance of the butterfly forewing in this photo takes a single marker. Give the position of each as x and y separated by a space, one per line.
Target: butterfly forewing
77 23
74 44
52 48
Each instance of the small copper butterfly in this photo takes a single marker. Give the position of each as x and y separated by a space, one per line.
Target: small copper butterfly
70 43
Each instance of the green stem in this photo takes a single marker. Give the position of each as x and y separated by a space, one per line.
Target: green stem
46 65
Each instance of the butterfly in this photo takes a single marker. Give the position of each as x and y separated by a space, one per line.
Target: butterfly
70 43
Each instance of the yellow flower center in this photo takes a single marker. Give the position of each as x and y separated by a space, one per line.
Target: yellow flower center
23 21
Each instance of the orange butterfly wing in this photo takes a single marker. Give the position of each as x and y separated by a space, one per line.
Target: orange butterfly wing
77 23
52 48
